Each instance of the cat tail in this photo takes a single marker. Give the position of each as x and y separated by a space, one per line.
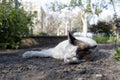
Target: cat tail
42 53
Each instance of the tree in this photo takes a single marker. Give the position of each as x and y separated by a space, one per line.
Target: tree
43 14
87 8
77 22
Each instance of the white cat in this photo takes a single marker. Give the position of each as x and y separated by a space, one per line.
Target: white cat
72 50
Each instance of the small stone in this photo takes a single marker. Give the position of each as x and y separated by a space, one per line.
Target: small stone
5 71
80 79
99 75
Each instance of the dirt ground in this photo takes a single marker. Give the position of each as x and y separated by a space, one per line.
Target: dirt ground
103 67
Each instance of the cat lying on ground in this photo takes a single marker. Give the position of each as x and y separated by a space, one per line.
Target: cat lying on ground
71 51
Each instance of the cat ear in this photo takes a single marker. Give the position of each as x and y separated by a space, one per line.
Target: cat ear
71 38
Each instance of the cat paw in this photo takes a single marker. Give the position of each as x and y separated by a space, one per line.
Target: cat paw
27 54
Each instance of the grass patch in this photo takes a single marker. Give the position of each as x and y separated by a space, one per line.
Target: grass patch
105 39
100 39
117 54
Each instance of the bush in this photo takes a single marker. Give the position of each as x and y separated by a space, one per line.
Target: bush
117 54
102 27
15 23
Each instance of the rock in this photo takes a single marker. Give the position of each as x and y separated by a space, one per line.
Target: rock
80 79
5 71
98 75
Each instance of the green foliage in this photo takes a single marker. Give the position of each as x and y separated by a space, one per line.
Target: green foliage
118 40
74 3
111 39
97 10
117 54
88 8
100 39
15 23
105 39
57 6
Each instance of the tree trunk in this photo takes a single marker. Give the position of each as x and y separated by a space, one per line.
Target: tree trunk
84 21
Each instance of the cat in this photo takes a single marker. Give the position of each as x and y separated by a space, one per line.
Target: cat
71 50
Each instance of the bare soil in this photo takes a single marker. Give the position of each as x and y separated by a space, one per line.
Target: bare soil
14 67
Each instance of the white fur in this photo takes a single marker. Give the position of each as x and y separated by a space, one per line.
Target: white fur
57 52
90 41
64 50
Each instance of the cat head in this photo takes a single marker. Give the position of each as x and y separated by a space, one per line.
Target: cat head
83 50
